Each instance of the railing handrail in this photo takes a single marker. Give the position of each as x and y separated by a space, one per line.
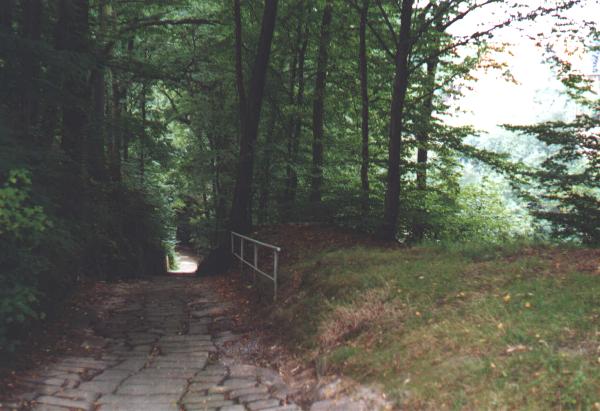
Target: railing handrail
254 264
274 247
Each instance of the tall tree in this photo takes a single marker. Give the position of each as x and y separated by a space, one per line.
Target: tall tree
364 94
30 66
401 78
297 85
72 36
240 218
319 109
239 69
6 14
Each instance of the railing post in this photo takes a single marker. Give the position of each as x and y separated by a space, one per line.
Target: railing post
275 265
255 263
241 255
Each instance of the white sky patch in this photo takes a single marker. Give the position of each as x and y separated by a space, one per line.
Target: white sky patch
494 100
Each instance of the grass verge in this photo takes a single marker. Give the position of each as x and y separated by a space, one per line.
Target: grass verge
463 327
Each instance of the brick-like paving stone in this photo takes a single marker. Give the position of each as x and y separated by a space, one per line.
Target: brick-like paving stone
157 353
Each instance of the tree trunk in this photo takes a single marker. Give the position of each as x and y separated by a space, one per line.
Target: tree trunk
297 100
96 163
239 69
240 217
72 31
423 133
115 154
422 151
388 229
142 165
30 65
318 111
265 186
364 93
126 135
96 157
6 14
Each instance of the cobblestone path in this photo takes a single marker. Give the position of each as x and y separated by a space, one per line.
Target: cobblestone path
157 348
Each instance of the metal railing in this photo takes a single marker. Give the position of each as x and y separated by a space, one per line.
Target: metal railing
254 263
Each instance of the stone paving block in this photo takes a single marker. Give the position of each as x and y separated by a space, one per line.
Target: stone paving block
132 364
237 383
233 408
84 362
289 407
243 370
195 362
64 402
69 368
195 397
198 407
261 389
112 375
101 387
262 404
165 374
137 401
216 368
198 329
143 348
214 379
132 406
200 387
253 397
208 404
77 394
152 388
216 389
46 407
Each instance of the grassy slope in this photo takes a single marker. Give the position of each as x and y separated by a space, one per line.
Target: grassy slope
469 328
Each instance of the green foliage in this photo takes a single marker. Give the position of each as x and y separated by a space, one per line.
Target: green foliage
566 189
22 230
476 212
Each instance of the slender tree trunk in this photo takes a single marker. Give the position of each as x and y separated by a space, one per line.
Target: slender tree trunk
423 134
422 151
388 229
96 161
297 101
265 186
72 31
6 14
240 217
142 165
96 156
364 93
115 154
318 110
127 132
239 69
30 65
